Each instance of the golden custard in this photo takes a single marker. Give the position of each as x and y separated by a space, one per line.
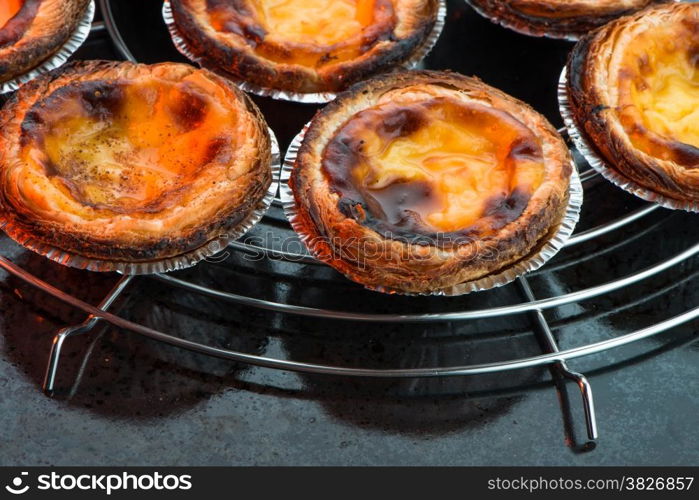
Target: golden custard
444 162
121 161
314 21
128 146
659 88
306 32
8 10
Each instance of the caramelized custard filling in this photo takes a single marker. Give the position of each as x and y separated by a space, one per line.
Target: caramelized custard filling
434 166
127 146
315 21
306 32
659 93
8 10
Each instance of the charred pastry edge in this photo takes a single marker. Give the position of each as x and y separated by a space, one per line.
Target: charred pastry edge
244 64
319 218
595 119
575 26
43 37
85 244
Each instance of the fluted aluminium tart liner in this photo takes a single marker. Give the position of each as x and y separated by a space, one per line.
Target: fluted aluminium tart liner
599 164
82 31
175 263
544 250
286 95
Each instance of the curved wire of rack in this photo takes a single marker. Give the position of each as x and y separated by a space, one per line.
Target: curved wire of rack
552 357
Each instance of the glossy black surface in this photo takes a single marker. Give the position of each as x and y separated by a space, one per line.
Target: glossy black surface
126 400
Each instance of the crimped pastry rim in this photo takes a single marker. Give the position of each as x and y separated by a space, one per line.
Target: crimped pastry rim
603 167
566 212
549 248
188 48
34 53
576 97
176 263
203 241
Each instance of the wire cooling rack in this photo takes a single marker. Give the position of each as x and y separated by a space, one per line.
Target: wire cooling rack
266 252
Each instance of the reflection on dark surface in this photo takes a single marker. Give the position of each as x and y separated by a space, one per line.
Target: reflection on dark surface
125 376
129 400
30 317
418 406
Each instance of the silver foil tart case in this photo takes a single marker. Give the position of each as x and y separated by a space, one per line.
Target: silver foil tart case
285 95
178 262
587 150
58 59
546 249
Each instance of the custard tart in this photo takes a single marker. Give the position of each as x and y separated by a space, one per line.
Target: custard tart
129 162
633 89
304 46
31 31
558 18
419 181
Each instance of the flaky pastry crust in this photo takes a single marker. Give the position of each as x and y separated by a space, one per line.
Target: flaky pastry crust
130 162
632 89
308 47
423 251
559 18
37 31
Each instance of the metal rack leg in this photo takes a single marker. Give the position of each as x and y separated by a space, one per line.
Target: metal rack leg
71 331
561 368
114 34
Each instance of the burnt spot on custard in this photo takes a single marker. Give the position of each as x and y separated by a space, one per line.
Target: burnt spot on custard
15 28
691 25
189 109
525 147
693 56
402 123
503 209
97 100
685 154
218 149
345 151
100 100
235 16
31 125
